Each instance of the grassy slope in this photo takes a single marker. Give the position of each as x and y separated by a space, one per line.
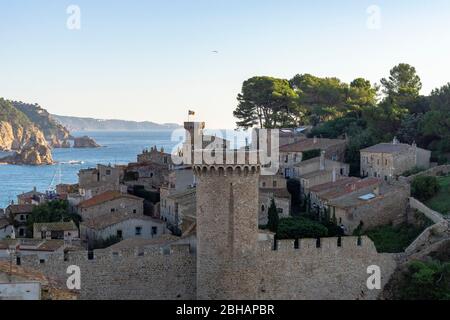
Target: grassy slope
390 239
441 202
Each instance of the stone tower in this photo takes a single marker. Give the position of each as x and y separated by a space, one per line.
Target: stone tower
227 230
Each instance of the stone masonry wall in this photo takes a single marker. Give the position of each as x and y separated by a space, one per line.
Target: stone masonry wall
326 273
146 274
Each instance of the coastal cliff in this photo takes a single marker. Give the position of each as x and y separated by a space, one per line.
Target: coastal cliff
57 135
19 134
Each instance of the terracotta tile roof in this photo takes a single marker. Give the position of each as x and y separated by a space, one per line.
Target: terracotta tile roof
317 174
55 226
311 144
331 185
388 148
4 223
106 197
20 208
51 289
106 220
33 244
350 188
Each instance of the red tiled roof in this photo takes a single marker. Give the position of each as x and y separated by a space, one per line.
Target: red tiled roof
20 208
106 197
331 185
350 188
311 144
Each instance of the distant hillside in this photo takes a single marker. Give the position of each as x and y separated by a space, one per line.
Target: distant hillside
90 124
54 132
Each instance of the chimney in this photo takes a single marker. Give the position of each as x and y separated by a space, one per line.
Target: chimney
322 160
395 141
376 191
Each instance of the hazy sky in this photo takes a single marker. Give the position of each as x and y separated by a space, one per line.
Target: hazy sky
153 60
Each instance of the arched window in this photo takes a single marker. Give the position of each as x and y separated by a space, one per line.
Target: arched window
263 208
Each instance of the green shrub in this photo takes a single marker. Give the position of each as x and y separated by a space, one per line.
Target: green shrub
425 281
424 188
297 228
311 154
394 239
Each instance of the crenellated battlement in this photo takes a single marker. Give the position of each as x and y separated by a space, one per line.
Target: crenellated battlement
179 250
226 169
320 246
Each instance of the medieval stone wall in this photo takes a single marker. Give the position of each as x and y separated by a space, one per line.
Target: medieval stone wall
135 274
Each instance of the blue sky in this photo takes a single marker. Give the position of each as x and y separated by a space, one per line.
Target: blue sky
153 60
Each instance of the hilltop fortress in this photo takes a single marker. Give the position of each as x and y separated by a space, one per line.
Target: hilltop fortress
228 258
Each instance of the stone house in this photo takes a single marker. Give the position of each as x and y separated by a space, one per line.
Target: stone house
180 178
110 202
385 204
20 214
150 175
318 194
121 225
94 181
6 229
175 206
28 247
66 231
33 197
387 161
273 187
155 156
319 170
282 200
292 154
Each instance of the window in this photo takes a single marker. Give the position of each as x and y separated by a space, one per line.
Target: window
386 162
138 231
119 234
280 210
264 184
134 210
274 184
22 217
21 232
18 262
154 231
113 210
286 159
263 208
41 261
108 172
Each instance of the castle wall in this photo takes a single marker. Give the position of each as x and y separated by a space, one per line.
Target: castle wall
326 273
146 274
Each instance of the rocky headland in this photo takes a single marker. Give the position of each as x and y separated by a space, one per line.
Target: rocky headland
85 142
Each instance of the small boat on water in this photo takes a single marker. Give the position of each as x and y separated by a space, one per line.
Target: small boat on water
73 162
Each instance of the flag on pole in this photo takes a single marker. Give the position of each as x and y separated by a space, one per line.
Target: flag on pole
191 113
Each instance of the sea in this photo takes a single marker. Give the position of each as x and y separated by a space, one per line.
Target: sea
118 147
